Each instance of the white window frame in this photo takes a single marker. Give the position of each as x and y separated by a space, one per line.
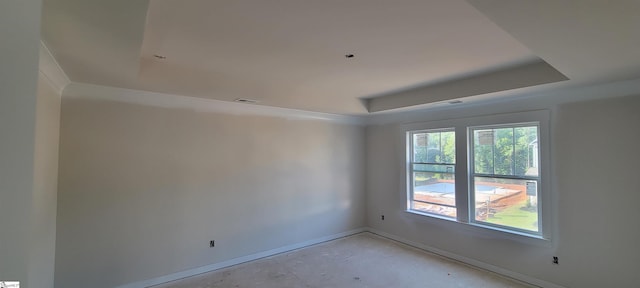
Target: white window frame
472 175
411 161
463 173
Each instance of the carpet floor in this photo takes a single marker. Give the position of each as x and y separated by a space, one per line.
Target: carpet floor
361 260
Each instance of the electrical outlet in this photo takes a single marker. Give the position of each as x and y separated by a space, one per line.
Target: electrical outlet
382 217
212 243
555 260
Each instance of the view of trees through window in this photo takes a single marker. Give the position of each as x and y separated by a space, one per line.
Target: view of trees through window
435 147
506 176
506 151
434 158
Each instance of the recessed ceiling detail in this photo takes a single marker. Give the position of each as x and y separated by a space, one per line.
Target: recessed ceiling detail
284 54
288 53
524 75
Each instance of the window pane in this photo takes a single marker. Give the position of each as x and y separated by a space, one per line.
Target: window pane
506 151
434 147
448 147
503 151
434 193
483 151
420 147
526 156
507 202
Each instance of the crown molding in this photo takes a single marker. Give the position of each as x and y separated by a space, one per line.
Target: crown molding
58 79
51 70
91 91
516 102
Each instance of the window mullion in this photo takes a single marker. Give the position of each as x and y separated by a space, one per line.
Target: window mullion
513 151
462 185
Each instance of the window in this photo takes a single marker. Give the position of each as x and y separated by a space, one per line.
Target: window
433 160
505 176
500 159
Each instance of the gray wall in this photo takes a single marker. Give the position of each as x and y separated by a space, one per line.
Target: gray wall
595 195
143 189
27 151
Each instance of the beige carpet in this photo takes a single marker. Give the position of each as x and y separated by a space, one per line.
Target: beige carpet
362 260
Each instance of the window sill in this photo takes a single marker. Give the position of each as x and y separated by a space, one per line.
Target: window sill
429 215
477 229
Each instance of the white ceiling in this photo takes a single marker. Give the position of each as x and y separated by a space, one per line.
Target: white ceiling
291 53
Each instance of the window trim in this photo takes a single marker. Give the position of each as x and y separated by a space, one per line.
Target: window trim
462 172
411 161
473 175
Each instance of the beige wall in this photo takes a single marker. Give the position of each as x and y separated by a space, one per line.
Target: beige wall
25 200
597 174
595 194
143 189
45 184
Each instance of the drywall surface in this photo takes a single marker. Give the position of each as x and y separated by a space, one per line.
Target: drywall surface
20 34
597 176
594 162
45 184
143 189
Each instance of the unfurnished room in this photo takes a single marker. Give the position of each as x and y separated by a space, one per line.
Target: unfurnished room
300 143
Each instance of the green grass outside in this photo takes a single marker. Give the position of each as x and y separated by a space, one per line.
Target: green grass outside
420 178
516 216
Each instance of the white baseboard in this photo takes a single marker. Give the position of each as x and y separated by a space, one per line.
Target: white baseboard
472 262
236 261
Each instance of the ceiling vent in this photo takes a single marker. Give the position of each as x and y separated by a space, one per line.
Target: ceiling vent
244 100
